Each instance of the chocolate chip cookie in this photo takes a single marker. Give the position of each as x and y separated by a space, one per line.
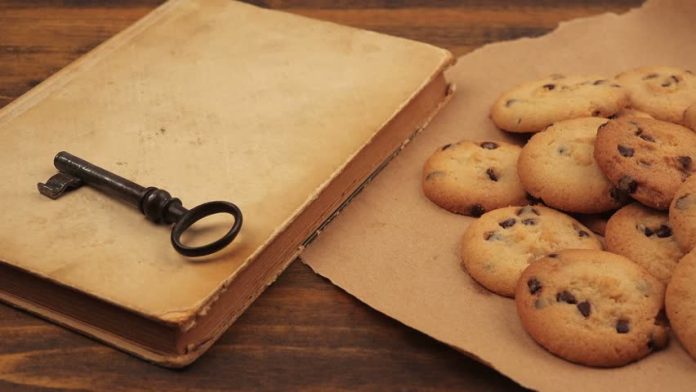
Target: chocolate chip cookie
592 307
645 236
496 248
680 301
646 159
663 92
682 215
533 106
471 178
558 166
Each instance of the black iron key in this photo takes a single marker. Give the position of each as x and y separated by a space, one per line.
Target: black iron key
156 204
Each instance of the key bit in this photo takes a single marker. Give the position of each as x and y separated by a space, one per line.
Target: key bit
57 185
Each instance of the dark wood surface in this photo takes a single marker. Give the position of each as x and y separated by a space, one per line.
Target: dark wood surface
302 333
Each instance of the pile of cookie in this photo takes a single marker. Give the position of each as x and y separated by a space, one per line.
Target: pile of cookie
620 147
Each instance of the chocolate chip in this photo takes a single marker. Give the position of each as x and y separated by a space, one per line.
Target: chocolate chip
446 146
627 184
640 134
639 130
666 83
491 235
562 150
647 138
600 81
682 203
529 222
507 223
596 113
622 326
583 233
491 174
625 151
612 117
646 230
675 78
533 200
434 174
489 145
527 209
566 296
684 162
549 86
534 285
620 196
650 76
655 345
509 102
552 255
477 210
585 308
664 231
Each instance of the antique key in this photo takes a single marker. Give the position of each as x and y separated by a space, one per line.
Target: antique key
156 204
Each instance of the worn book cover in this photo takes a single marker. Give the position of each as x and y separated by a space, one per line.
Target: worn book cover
211 100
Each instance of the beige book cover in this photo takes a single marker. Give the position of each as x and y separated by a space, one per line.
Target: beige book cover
211 100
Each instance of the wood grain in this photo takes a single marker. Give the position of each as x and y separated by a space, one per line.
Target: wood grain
303 333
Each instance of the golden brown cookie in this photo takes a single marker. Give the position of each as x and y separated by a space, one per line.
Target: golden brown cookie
645 158
592 307
533 106
472 178
663 92
680 302
558 166
496 248
645 236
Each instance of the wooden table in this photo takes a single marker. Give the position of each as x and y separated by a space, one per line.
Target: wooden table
302 333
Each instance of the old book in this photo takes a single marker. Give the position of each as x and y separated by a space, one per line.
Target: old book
212 100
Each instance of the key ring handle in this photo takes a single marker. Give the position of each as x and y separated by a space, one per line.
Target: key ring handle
199 212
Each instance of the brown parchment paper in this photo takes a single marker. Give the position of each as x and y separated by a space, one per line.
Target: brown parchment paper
397 252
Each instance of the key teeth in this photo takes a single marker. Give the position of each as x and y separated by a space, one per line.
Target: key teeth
58 185
47 191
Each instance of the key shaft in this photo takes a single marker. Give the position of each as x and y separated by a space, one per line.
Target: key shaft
104 180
